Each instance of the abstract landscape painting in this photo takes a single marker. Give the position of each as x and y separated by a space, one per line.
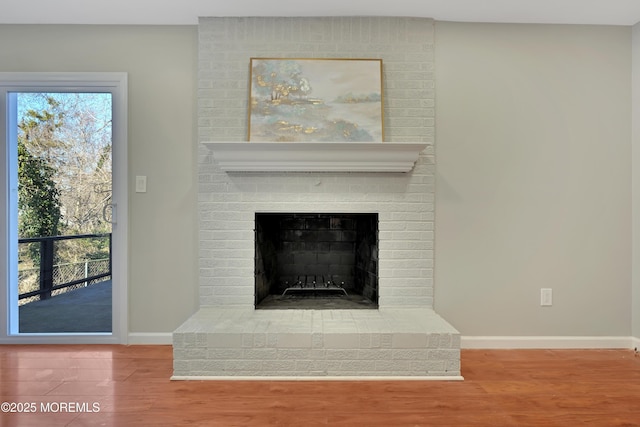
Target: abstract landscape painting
303 100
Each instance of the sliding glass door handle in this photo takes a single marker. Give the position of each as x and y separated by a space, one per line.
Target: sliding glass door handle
109 213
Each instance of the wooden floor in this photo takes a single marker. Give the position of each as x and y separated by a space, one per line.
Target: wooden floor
130 386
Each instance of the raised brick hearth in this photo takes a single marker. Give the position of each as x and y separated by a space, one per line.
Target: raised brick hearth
219 342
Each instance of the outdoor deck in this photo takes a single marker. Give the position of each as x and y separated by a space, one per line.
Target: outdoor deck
82 310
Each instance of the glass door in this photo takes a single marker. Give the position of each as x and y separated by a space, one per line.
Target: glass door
64 266
64 166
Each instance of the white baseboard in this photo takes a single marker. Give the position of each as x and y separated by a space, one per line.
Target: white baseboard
318 378
470 342
547 342
150 338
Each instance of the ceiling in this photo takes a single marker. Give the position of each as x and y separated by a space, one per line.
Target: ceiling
186 12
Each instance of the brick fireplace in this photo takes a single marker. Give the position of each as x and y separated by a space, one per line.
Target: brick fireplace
400 335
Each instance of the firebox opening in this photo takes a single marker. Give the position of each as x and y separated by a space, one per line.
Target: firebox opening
316 260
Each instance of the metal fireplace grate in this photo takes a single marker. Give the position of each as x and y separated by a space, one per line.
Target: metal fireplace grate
311 284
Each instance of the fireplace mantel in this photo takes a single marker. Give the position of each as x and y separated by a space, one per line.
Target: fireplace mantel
243 156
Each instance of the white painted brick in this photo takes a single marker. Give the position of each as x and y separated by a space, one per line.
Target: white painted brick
364 340
306 361
386 340
453 365
181 367
243 366
317 340
443 354
299 354
303 367
428 366
225 353
190 354
225 291
411 292
404 202
376 341
400 302
207 366
409 354
445 341
345 355
334 367
374 354
409 341
340 341
285 340
434 341
259 340
260 354
283 367
455 341
393 366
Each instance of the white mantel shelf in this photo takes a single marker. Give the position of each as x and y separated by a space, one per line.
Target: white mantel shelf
243 156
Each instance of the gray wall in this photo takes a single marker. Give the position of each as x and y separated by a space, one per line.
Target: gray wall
534 169
533 150
161 64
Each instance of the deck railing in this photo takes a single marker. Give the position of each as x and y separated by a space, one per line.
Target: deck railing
48 272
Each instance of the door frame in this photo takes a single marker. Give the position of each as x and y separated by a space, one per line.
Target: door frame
116 84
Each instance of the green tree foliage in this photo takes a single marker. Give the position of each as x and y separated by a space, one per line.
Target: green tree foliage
38 195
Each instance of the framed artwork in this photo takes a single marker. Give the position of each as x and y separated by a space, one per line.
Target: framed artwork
328 100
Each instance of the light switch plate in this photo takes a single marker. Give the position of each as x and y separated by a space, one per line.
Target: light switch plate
141 184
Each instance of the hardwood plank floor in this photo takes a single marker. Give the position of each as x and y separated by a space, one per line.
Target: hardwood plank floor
130 386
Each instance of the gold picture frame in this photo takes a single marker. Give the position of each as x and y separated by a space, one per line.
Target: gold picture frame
313 100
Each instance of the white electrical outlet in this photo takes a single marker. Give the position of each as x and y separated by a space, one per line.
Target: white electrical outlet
546 296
